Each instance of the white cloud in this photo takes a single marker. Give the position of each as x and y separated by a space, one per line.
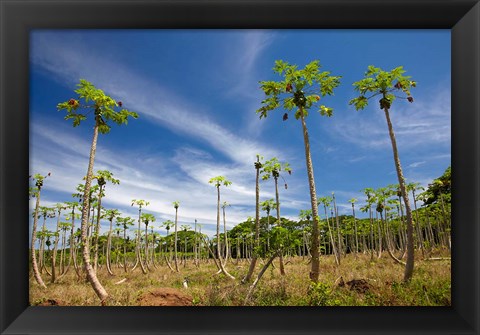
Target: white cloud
150 99
424 123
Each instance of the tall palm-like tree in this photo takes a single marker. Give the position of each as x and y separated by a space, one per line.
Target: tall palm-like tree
353 201
386 84
305 215
272 168
176 204
147 219
267 206
413 187
217 182
35 192
93 99
185 228
72 216
258 166
110 215
63 228
300 90
167 225
326 202
226 247
140 203
102 176
125 222
45 212
59 208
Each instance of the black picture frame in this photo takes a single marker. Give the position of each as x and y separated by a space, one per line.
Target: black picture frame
19 17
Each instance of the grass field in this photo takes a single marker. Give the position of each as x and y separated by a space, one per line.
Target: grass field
358 281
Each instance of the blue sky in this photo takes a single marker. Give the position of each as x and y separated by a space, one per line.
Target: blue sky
196 93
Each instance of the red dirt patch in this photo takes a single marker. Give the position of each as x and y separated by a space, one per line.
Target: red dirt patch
165 296
359 285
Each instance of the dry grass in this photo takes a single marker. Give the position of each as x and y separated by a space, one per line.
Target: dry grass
430 285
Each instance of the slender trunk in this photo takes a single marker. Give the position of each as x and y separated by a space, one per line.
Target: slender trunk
379 232
97 230
339 234
260 274
55 248
332 241
125 248
219 256
91 276
315 270
225 237
257 222
41 253
355 227
417 225
195 247
176 237
72 242
401 180
279 223
109 246
62 253
36 272
146 245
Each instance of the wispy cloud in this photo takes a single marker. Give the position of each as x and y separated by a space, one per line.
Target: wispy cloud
149 99
424 123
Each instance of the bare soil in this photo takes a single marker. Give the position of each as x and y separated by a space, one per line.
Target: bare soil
165 296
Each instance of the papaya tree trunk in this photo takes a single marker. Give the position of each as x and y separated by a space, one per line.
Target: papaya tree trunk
91 276
315 269
36 272
257 223
401 180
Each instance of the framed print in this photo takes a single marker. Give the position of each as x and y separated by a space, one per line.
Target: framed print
190 99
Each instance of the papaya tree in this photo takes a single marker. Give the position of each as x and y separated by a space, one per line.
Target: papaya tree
301 90
167 225
326 203
91 99
305 215
225 235
45 212
267 206
59 208
185 228
353 201
35 192
140 203
147 219
125 222
258 165
272 168
176 204
110 215
72 216
63 228
217 182
387 85
102 176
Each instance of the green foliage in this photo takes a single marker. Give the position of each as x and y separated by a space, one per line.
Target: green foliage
91 98
440 187
273 167
103 176
219 181
320 294
148 218
299 89
140 203
383 83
